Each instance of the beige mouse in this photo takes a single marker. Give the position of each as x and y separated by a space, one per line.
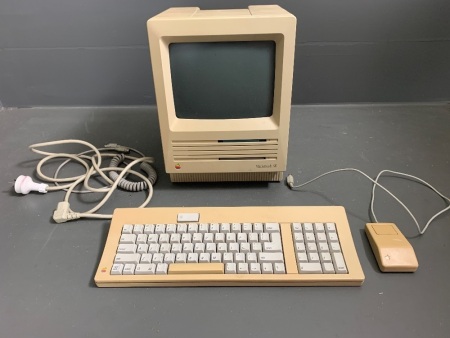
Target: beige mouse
392 250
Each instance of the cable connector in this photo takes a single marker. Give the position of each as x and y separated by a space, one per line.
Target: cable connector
118 147
63 213
290 181
24 184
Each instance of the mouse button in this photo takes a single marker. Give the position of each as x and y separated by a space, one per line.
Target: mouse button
384 229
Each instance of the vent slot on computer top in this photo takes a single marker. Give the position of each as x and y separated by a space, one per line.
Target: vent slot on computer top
243 150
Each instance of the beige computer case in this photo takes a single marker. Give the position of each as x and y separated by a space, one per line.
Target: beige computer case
193 150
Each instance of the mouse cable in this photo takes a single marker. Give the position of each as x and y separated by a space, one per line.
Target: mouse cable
290 183
91 160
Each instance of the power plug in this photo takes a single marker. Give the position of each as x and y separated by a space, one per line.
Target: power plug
24 184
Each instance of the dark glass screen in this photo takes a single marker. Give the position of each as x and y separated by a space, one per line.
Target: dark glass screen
223 80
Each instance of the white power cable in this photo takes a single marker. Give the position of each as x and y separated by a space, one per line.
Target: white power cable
290 183
92 164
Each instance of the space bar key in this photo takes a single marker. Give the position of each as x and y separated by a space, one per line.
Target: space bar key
196 268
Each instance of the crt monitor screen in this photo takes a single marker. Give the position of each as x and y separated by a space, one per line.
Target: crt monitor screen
223 80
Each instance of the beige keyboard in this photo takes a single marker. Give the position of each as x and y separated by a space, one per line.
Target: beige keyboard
229 246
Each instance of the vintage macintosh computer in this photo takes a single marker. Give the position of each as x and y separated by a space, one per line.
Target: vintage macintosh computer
223 82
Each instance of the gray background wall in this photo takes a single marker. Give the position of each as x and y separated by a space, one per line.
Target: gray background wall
94 52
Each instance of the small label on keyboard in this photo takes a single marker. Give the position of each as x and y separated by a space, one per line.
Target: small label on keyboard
188 217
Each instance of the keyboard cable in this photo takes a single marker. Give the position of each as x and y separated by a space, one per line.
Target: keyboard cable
290 183
91 160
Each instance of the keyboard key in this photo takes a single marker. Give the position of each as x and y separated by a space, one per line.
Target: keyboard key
264 237
335 247
175 238
247 228
271 227
203 228
241 237
169 258
181 258
313 257
138 229
171 228
149 229
216 257
204 258
309 268
188 247
177 248
319 227
117 269
225 228
160 228
222 247
126 248
233 247
153 248
145 269
127 239
230 237
339 263
332 237
165 248
142 248
199 247
211 247
256 247
258 228
297 227
270 257
197 238
228 257
272 247
236 227
328 268
158 258
127 229
253 237
214 228
161 268
164 238
330 227
239 257
244 247
203 268
128 269
255 268
230 268
127 258
181 228
267 268
146 258
192 258
219 238
308 227
192 228
208 238
251 257
298 238
278 268
302 257
325 257
141 239
242 268
152 239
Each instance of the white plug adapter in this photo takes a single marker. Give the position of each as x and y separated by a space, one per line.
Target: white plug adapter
24 184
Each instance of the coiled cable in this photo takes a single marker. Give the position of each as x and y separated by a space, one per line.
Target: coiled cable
91 160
